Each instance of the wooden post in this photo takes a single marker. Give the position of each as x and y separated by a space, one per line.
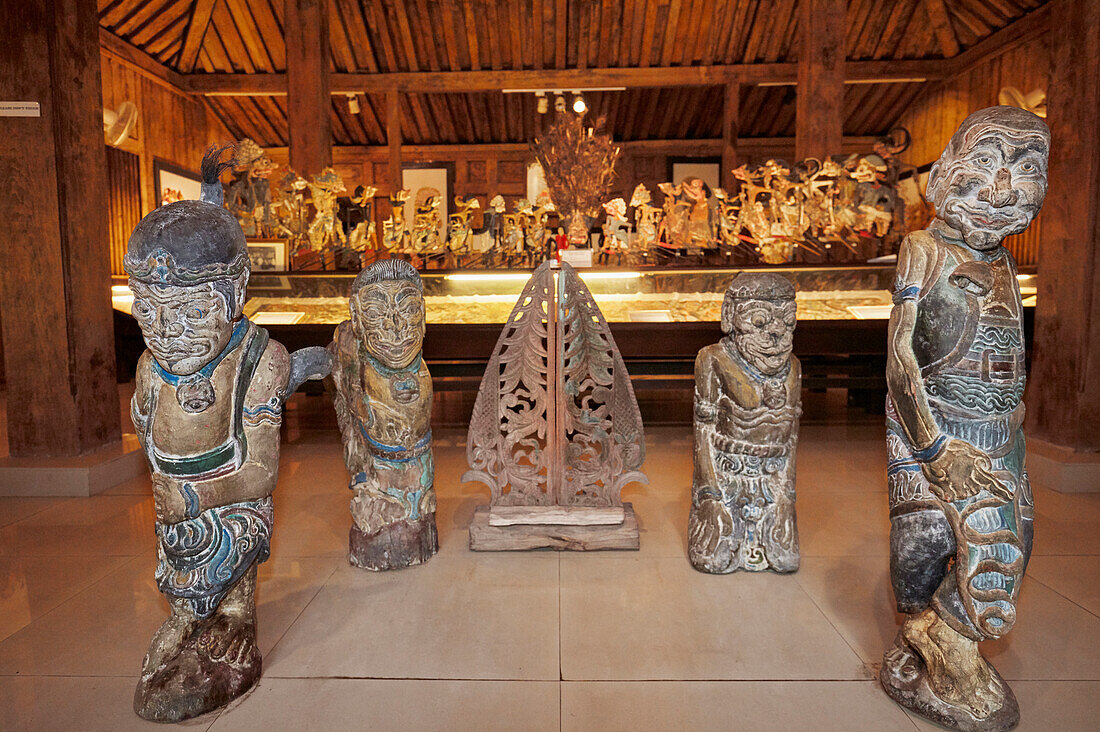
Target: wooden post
819 110
393 137
309 107
731 115
1063 399
55 285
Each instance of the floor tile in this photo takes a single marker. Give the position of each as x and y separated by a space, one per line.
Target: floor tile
95 526
458 616
725 705
382 704
32 586
1075 578
105 630
633 618
1052 639
840 523
1066 706
89 704
17 509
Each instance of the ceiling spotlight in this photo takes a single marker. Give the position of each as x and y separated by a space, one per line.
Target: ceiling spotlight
578 104
559 103
543 102
353 104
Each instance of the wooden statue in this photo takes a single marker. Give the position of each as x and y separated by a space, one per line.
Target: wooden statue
363 238
425 233
249 195
207 406
383 397
747 405
960 503
616 232
395 231
292 209
555 432
646 218
461 228
326 230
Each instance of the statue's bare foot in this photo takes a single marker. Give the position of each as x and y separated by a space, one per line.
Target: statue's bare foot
957 673
940 674
167 642
218 662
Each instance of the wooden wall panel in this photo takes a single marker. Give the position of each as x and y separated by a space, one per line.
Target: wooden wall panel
935 116
123 202
170 126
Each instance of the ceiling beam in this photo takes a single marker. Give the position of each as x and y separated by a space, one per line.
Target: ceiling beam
941 24
134 58
1027 28
196 31
856 72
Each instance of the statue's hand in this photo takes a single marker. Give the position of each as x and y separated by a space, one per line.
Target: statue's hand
961 470
711 521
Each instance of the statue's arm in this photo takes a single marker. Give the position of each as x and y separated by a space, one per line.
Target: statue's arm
262 417
347 395
707 392
140 403
903 378
955 469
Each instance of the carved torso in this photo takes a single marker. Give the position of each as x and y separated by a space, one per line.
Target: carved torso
751 410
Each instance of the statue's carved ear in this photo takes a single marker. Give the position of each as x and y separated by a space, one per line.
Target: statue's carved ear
975 278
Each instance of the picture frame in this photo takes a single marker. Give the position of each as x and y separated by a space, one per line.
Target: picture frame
269 255
174 183
707 168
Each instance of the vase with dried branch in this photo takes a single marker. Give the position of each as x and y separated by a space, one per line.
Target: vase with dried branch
579 164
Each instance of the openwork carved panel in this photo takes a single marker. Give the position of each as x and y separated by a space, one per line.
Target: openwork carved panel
555 421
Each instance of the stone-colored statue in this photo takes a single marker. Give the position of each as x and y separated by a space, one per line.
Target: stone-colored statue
960 503
383 395
747 405
207 406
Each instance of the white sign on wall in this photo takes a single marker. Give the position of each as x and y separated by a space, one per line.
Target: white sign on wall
20 109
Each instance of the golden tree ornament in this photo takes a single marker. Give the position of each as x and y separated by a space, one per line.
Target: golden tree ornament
579 165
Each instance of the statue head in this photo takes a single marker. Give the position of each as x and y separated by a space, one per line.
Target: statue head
992 177
640 195
758 314
387 312
188 267
615 207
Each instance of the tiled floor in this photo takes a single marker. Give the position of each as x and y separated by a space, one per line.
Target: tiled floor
603 641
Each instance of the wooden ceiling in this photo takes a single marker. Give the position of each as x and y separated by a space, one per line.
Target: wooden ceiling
245 36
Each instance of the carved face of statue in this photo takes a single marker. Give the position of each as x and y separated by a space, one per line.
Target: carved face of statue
991 180
388 317
695 189
763 331
616 207
185 328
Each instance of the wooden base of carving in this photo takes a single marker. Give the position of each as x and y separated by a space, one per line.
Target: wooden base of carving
486 537
399 545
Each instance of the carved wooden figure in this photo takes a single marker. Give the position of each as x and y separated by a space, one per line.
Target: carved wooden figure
383 396
960 503
747 406
207 407
555 432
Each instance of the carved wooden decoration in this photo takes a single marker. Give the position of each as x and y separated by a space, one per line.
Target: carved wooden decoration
556 431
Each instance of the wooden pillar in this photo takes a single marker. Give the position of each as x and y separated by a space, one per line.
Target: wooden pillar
1063 399
819 111
55 285
731 116
393 137
309 106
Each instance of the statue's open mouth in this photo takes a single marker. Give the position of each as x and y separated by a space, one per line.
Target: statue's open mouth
991 222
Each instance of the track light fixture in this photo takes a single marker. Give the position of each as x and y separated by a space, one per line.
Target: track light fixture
559 103
543 102
353 104
578 103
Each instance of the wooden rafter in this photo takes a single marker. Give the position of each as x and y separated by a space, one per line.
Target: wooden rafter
1023 30
196 31
134 58
941 24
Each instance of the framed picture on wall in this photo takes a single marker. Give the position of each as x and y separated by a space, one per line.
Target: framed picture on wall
709 169
174 183
269 255
429 176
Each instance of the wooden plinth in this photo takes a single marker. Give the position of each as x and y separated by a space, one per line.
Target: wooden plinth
485 537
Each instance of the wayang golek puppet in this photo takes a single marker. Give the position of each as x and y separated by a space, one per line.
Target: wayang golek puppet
961 505
207 406
747 406
383 399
